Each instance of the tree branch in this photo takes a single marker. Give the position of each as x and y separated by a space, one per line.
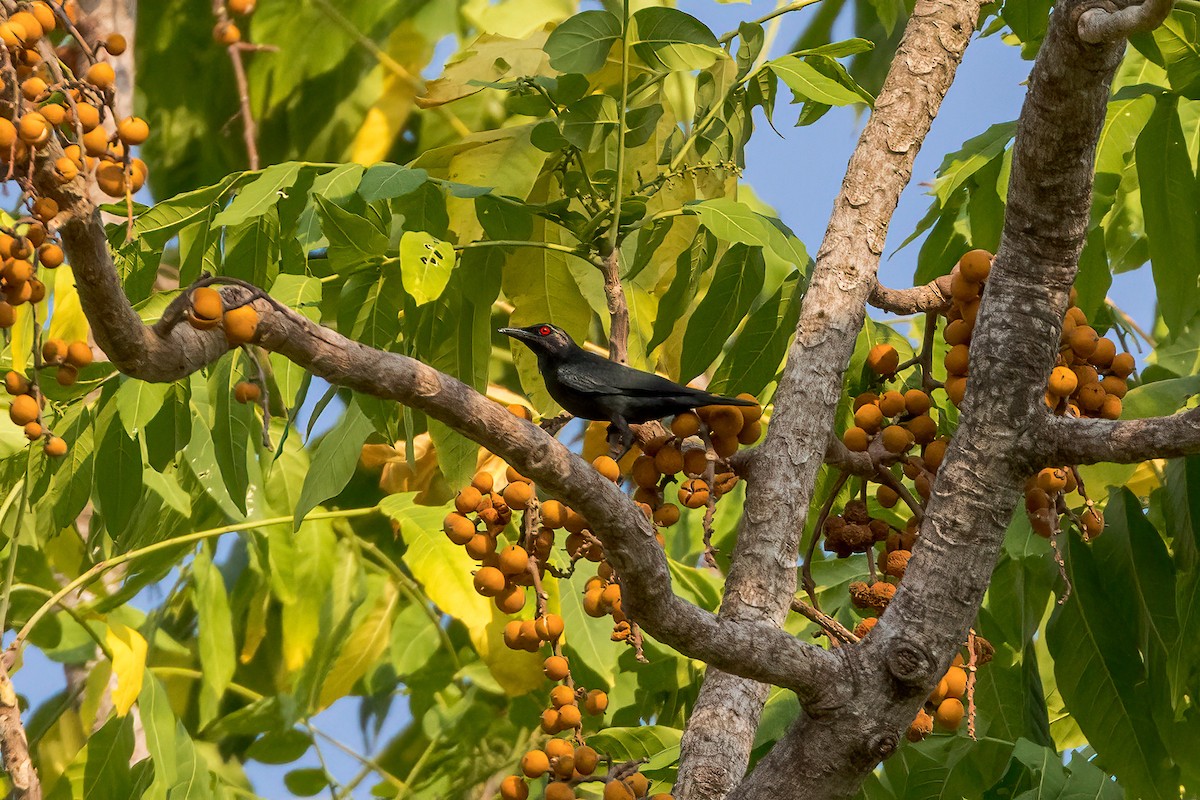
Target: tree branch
1070 440
783 472
14 746
170 352
1013 348
618 308
933 296
1111 21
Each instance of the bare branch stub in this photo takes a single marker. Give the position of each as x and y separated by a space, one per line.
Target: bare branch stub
1110 22
933 296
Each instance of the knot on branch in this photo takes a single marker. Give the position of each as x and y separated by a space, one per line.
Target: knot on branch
883 746
910 664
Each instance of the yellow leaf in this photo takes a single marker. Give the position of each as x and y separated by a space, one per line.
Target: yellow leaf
68 322
446 573
408 52
365 646
22 334
256 624
517 671
128 662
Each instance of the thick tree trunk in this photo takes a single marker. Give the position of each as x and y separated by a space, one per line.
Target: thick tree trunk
1012 352
783 473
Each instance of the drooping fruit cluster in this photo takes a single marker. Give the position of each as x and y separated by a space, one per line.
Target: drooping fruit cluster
69 358
945 705
1091 377
699 441
24 249
896 420
565 765
207 311
60 110
25 410
1045 503
854 531
504 573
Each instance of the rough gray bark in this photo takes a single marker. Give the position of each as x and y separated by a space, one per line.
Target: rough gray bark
1013 350
762 578
1065 440
14 746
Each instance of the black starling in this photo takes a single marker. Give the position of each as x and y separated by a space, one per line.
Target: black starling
593 387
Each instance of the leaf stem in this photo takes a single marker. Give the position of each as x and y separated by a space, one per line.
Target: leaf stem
778 12
21 490
98 569
621 111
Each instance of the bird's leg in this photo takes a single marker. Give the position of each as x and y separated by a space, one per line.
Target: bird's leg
620 426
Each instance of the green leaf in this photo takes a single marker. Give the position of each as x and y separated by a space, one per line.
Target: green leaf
750 43
353 240
689 266
138 402
587 122
1093 640
387 181
975 153
671 40
159 725
462 349
581 43
260 195
168 217
280 747
215 634
847 47
1170 197
755 358
424 209
106 771
252 250
736 283
1160 398
333 461
369 309
808 83
233 426
645 741
306 782
735 221
503 219
121 488
425 264
414 641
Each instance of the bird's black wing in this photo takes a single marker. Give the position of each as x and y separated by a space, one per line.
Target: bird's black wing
594 374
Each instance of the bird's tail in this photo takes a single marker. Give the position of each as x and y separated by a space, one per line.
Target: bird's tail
719 400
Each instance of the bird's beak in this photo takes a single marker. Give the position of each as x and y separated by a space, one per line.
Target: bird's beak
515 333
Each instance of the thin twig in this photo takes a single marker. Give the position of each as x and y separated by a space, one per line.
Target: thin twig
778 12
971 659
806 578
833 628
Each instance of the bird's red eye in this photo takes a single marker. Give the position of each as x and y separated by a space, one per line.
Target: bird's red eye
544 330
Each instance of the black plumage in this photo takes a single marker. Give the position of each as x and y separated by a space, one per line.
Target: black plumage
593 387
